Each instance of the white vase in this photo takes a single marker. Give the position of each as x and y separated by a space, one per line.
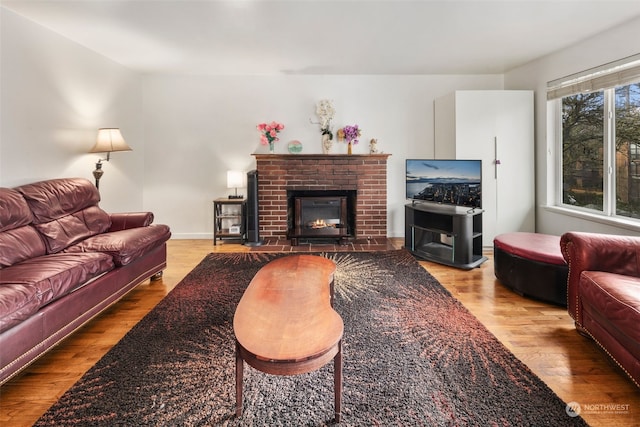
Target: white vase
327 143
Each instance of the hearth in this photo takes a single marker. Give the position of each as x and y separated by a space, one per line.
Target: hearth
321 215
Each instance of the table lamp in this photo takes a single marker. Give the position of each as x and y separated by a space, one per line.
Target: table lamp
235 179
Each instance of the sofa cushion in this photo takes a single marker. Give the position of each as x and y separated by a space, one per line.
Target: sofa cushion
55 275
125 245
65 211
55 198
63 232
614 299
14 211
19 244
17 303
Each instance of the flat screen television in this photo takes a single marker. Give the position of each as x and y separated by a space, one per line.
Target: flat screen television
452 182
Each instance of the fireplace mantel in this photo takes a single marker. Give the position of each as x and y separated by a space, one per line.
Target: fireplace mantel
266 156
364 173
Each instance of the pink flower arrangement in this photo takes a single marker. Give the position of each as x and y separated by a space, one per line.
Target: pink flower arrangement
351 134
269 132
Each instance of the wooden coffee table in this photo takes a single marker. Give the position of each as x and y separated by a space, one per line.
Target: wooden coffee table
285 323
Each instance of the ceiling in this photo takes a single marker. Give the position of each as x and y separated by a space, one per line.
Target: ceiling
325 37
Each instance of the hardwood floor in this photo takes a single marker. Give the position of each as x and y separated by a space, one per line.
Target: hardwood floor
539 334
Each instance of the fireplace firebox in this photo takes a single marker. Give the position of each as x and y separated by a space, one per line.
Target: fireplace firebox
320 216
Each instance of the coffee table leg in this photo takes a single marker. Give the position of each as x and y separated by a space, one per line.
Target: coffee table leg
332 291
337 382
239 373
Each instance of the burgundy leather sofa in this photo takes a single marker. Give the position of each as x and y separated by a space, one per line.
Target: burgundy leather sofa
63 260
604 293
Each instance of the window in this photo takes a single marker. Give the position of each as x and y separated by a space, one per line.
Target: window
583 150
598 140
627 140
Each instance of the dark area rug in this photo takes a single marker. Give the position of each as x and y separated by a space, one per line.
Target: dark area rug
413 356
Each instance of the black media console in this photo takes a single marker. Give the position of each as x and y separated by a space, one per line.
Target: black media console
449 235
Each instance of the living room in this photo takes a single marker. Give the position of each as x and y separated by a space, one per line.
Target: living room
188 129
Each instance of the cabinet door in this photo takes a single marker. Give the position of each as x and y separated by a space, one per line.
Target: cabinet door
490 125
476 129
515 193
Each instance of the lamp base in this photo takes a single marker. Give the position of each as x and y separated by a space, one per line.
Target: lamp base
97 173
236 196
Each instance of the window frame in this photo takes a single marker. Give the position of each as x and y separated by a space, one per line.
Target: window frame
585 82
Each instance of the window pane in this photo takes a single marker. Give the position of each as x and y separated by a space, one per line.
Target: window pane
582 150
628 150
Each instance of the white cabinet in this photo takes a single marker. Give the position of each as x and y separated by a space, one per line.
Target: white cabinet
495 126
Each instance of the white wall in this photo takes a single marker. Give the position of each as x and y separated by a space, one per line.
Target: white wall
197 128
187 131
55 94
609 46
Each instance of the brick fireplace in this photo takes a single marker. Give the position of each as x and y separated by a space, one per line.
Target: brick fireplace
280 174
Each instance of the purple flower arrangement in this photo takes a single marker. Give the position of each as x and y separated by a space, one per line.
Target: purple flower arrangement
351 134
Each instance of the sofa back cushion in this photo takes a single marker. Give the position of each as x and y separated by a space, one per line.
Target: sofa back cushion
14 211
65 211
18 239
55 198
20 244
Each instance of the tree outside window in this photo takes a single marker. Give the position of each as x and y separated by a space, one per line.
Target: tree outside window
585 142
582 150
627 119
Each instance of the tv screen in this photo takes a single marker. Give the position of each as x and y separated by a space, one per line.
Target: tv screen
453 182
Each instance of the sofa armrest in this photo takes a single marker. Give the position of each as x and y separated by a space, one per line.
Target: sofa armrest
597 252
127 220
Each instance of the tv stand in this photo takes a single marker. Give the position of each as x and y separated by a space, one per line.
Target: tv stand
449 235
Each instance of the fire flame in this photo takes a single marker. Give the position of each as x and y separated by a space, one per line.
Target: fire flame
318 223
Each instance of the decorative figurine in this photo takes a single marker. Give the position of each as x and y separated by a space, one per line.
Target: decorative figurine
373 146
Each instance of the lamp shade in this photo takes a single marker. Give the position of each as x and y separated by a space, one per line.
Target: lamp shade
109 140
235 179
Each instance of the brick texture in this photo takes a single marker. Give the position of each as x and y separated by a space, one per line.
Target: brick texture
367 174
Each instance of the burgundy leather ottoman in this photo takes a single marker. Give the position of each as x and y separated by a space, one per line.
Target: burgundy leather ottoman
532 265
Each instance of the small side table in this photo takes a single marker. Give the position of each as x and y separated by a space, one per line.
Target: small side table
229 217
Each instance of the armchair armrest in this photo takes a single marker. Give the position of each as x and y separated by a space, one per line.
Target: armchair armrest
597 252
126 220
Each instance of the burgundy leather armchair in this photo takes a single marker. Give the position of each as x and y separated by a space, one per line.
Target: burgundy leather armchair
603 291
